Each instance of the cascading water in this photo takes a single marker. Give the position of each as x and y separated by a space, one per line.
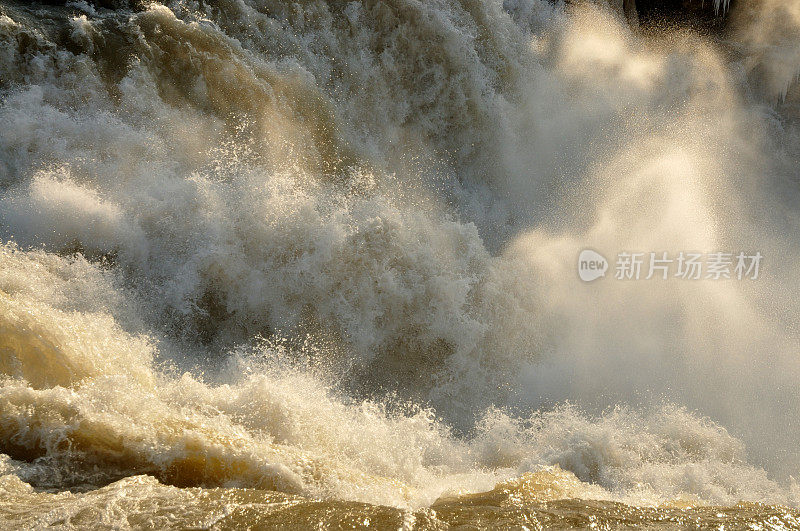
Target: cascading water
328 251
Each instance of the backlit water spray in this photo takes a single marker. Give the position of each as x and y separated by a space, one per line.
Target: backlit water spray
329 250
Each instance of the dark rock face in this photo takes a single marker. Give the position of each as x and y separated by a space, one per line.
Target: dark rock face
696 14
700 15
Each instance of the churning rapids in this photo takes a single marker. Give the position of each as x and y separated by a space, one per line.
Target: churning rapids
314 264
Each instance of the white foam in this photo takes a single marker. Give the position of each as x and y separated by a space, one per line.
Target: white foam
408 188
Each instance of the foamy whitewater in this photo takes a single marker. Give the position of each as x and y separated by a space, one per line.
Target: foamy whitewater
329 250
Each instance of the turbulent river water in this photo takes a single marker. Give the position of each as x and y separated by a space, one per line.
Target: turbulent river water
314 264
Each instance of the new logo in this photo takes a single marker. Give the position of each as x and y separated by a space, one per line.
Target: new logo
591 265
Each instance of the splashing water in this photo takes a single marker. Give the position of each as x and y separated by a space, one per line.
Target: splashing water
328 250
